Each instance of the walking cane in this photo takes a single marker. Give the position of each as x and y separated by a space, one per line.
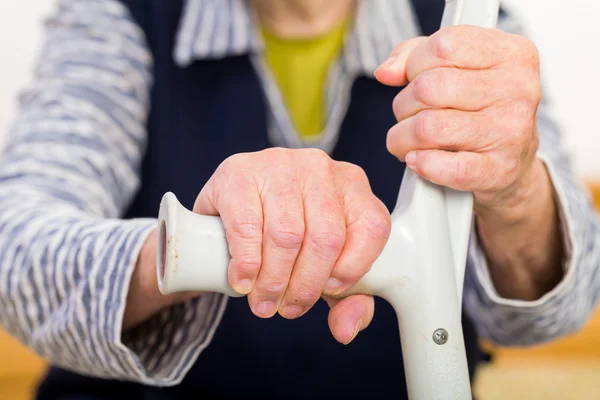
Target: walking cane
420 272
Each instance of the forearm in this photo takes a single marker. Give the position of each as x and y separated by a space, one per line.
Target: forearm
523 241
68 172
64 281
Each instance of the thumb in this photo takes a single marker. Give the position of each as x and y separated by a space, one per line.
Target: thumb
349 316
392 72
205 203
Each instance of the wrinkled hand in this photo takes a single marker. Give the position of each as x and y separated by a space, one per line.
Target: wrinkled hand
298 224
467 117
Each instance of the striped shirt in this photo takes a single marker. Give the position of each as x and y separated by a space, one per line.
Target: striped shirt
72 165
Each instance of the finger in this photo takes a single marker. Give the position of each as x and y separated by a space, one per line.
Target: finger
238 203
324 240
283 236
392 72
453 88
464 47
449 130
368 227
349 316
463 171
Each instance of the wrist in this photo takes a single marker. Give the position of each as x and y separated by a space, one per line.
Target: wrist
144 298
515 204
521 238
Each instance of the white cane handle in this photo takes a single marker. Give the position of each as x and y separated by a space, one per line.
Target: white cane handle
420 271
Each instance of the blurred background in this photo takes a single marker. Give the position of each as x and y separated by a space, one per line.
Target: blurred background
568 36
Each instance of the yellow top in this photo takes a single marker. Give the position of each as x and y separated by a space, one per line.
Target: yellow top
300 68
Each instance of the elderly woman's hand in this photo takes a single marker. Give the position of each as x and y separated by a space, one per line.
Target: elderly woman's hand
299 225
467 120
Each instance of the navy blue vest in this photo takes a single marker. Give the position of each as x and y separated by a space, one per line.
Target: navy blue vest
201 115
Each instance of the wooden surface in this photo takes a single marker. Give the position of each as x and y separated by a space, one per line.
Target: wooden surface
535 379
560 370
20 369
584 345
16 359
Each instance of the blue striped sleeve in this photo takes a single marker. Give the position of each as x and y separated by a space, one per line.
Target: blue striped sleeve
570 304
70 168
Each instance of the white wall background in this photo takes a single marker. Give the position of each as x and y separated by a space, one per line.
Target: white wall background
20 36
567 33
568 36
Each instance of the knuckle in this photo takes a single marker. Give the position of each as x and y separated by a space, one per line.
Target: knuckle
355 172
316 154
378 223
328 239
273 287
248 227
231 162
427 127
288 235
530 82
425 86
247 265
527 89
275 157
522 113
397 105
529 49
350 275
317 160
534 55
524 135
232 159
274 152
534 92
444 43
304 292
240 159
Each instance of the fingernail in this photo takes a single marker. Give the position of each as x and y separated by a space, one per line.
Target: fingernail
357 329
265 308
332 286
411 158
244 286
292 312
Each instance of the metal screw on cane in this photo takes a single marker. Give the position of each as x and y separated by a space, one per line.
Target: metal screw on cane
440 336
